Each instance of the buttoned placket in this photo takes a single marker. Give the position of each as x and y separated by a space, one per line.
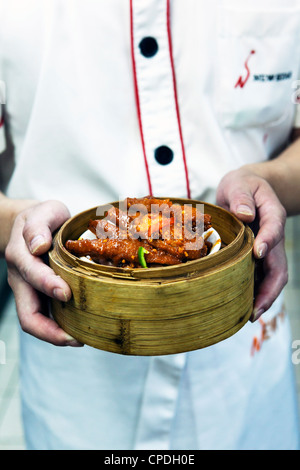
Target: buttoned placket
157 98
165 164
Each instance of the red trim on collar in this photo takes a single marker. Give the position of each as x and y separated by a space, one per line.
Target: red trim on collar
176 100
1 121
136 90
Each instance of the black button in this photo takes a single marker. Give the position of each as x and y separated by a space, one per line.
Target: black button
163 155
148 46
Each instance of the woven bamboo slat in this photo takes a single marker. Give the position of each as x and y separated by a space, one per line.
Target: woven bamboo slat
157 311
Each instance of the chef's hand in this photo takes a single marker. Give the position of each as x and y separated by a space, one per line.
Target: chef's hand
31 280
251 198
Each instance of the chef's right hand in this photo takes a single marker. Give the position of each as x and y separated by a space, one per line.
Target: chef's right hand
31 280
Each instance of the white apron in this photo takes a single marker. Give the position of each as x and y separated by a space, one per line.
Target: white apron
114 98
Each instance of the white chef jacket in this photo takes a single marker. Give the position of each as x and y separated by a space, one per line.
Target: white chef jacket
113 98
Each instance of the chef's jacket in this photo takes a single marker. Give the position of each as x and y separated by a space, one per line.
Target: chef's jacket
114 98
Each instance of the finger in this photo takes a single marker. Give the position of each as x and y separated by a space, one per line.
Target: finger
272 218
40 223
33 270
242 204
31 318
41 277
276 277
255 194
236 195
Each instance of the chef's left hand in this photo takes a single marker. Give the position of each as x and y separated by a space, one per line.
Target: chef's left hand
250 198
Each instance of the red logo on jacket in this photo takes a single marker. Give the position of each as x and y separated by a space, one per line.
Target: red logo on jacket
243 80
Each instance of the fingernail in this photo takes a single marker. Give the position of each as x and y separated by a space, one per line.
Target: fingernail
70 341
262 250
36 243
257 312
244 210
60 294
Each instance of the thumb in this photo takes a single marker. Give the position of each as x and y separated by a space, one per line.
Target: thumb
238 198
40 222
242 205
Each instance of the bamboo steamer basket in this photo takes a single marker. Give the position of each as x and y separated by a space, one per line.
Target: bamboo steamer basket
157 311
